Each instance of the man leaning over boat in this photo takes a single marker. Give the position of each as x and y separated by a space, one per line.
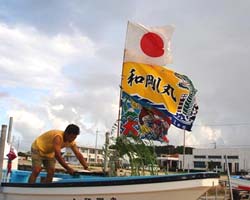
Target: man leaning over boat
46 149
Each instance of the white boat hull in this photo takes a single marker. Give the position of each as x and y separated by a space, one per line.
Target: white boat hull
240 183
114 190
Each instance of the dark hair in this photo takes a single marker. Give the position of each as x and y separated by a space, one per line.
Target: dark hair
72 129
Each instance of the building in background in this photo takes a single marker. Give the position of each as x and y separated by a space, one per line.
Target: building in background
170 162
200 159
215 159
91 155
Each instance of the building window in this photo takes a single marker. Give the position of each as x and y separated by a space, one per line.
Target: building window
100 152
92 151
212 165
217 164
233 157
199 156
214 157
199 164
83 149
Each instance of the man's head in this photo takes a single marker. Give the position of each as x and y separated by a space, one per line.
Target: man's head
71 132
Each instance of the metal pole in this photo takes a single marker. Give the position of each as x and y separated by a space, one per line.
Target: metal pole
184 144
106 151
2 147
9 131
216 193
229 179
96 146
119 111
225 190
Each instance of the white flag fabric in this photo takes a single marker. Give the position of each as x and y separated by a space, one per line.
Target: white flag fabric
148 45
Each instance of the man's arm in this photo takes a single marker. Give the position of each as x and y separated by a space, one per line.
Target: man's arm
79 156
57 148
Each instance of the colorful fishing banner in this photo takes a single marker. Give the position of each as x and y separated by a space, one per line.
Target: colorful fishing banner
159 89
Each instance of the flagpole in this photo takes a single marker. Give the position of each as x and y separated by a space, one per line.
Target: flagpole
119 109
119 112
184 144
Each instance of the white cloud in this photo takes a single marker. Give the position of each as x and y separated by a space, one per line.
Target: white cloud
57 107
76 45
210 134
31 58
204 136
26 127
34 60
30 119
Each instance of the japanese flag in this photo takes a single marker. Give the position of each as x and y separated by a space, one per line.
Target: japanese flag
148 45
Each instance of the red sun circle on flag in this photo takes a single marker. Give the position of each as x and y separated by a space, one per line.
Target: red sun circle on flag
152 45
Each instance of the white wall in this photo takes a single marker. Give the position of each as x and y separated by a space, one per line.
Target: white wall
242 153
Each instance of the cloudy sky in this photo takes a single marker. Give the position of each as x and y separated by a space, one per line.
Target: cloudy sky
60 63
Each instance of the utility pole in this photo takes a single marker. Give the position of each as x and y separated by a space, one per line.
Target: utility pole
106 151
2 147
96 138
9 141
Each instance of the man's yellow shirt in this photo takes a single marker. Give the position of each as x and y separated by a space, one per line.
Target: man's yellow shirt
44 143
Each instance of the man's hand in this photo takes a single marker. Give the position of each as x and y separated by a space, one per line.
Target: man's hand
71 171
80 157
86 167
